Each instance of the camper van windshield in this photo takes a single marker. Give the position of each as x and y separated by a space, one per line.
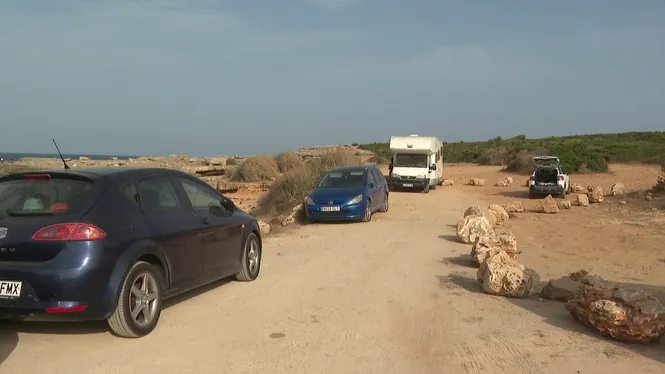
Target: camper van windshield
405 160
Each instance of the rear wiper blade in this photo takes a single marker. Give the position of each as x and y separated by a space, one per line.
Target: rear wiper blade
29 213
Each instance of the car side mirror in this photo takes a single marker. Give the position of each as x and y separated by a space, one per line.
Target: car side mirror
371 185
433 167
228 204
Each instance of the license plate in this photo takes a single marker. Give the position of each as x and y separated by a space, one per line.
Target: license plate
9 289
330 209
408 185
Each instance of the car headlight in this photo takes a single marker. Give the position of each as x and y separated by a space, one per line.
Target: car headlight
422 176
356 200
309 201
395 175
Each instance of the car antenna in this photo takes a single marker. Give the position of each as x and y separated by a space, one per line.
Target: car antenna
62 158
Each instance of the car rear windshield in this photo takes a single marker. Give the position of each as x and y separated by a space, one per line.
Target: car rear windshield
48 196
342 179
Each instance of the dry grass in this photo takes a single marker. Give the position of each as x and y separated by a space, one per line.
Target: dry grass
378 160
292 187
231 161
287 161
522 163
257 169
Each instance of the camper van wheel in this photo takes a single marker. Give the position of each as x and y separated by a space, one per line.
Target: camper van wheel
434 186
426 189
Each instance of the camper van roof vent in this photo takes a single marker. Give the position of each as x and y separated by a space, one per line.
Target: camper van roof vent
414 135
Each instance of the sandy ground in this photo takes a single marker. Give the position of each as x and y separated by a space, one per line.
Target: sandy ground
395 295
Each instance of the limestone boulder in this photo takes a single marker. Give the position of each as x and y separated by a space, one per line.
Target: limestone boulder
577 188
548 205
505 182
564 288
582 199
477 182
448 182
499 211
264 227
564 204
471 227
595 194
624 313
502 275
484 247
515 207
617 189
473 211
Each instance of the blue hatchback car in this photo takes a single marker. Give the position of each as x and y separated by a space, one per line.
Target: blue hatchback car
113 243
348 193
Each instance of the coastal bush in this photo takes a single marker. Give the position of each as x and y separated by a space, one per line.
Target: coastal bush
287 161
257 169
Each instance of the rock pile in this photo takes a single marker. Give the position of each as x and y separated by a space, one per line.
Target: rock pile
595 194
548 205
502 275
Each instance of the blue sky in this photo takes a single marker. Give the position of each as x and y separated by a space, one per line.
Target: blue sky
207 77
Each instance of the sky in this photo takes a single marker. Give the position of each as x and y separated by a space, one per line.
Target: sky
225 77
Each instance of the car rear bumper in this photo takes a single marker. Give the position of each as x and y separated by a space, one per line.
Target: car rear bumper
346 213
51 291
546 190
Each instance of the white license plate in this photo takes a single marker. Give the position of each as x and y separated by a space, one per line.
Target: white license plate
330 209
407 185
9 289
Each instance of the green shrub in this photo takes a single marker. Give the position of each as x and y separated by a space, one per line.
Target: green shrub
497 156
287 161
257 169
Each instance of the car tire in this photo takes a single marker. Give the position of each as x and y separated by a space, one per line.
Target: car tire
386 204
368 212
433 187
426 189
251 259
143 285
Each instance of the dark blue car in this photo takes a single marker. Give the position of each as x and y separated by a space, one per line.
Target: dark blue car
348 193
113 243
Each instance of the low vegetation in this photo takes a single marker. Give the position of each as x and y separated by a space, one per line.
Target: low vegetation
287 161
231 161
578 153
257 169
291 188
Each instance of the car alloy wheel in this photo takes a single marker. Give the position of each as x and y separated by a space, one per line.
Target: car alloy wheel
139 303
143 305
250 265
368 212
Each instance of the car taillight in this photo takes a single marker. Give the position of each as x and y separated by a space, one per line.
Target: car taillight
70 231
560 178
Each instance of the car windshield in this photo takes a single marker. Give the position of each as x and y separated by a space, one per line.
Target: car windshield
410 160
341 179
26 197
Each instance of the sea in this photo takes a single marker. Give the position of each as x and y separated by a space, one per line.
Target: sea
17 156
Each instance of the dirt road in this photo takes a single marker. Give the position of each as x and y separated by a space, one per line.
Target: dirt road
391 296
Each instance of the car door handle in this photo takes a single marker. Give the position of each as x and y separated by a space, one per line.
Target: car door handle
205 221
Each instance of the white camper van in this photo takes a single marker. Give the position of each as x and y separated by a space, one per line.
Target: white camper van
417 162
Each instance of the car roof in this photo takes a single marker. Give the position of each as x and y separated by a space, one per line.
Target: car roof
109 172
352 168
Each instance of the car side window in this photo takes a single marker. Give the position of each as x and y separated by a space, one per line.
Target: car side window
200 197
377 176
157 193
130 192
370 178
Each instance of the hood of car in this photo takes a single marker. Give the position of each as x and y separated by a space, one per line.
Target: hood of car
336 195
